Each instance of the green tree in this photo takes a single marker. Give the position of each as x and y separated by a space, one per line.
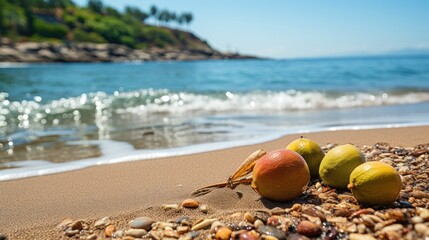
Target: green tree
95 5
2 26
136 13
153 11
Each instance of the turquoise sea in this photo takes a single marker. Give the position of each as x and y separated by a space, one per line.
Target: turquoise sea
60 117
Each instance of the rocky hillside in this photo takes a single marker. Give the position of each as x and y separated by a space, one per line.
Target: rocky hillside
103 52
61 31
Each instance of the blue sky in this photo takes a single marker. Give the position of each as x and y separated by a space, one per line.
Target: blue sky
289 29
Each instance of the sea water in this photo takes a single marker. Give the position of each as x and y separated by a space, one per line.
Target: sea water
60 117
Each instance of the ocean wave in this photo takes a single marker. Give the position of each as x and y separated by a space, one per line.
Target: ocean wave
99 107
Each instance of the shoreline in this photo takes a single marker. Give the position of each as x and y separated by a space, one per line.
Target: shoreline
41 52
123 191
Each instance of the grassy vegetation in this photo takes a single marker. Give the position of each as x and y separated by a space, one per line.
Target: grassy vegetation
62 20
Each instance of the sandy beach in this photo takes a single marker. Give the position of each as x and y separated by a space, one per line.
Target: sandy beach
31 208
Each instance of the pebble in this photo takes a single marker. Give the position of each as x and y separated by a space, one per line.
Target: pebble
277 211
223 233
190 203
357 236
204 224
204 208
64 223
76 225
247 236
70 233
394 227
137 233
258 223
109 230
309 229
91 237
170 206
102 223
420 228
417 219
216 225
183 229
272 231
142 223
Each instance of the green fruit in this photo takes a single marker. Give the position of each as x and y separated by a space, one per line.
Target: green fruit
338 164
375 183
310 151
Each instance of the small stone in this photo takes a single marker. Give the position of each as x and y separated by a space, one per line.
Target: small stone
296 207
3 237
223 233
424 213
277 211
170 234
127 238
416 219
357 236
64 223
396 214
203 224
272 231
420 228
419 194
309 229
142 223
182 219
216 225
247 236
190 203
170 206
108 232
118 234
102 223
296 236
273 221
137 233
77 225
183 229
249 217
258 223
71 233
204 208
91 237
268 237
393 227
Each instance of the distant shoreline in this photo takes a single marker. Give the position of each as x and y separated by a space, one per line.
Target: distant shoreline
39 52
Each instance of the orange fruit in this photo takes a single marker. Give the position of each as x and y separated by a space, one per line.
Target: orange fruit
280 175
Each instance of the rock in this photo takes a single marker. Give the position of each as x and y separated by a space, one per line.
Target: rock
102 223
393 227
108 232
142 223
29 46
357 236
3 237
223 233
44 53
247 236
70 233
64 223
420 228
204 224
182 219
258 223
249 217
277 211
309 229
137 233
190 203
272 231
183 229
204 208
76 225
91 237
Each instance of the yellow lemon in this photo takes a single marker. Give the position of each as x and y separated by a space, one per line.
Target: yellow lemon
375 183
280 175
338 163
310 151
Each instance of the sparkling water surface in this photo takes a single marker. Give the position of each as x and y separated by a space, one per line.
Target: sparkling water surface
63 116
